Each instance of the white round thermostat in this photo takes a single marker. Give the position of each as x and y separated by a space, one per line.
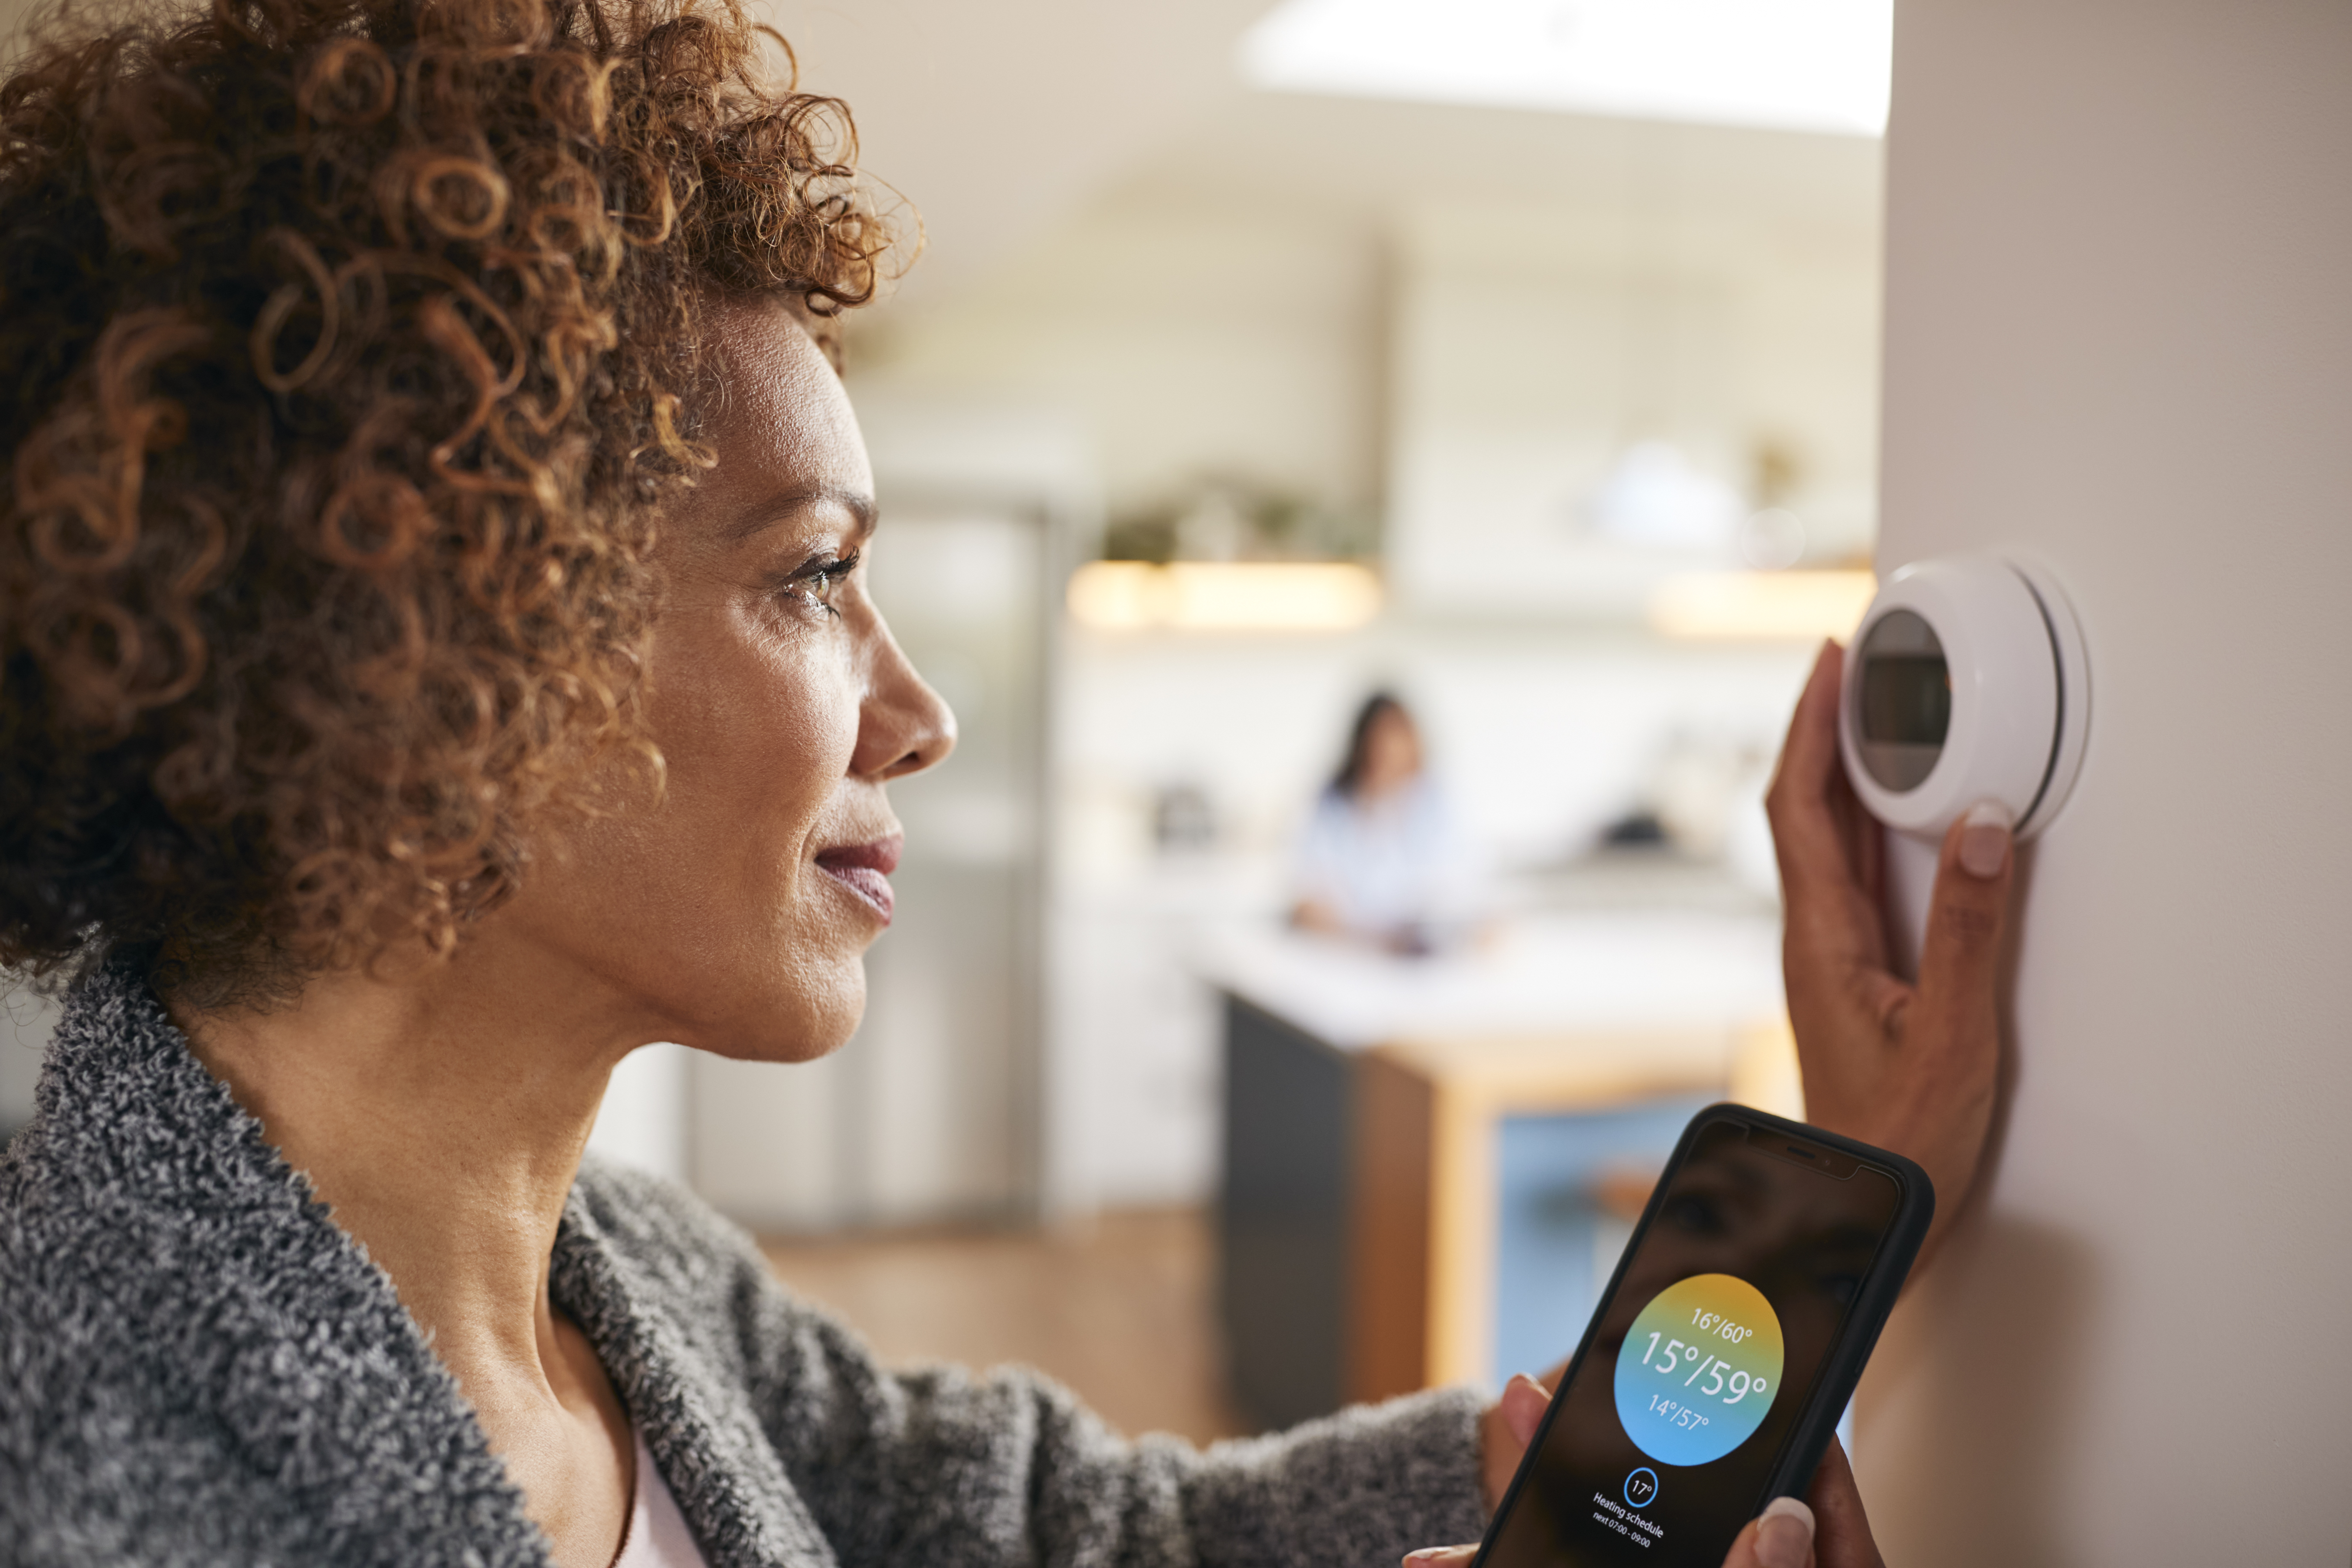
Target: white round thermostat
1965 682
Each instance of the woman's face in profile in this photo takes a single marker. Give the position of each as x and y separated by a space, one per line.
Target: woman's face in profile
734 914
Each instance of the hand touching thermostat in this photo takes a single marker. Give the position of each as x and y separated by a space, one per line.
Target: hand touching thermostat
1966 682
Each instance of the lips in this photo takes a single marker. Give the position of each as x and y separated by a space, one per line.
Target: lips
865 869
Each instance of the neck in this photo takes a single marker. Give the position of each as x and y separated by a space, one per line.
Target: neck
440 1113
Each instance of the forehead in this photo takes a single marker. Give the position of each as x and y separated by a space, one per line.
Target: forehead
779 414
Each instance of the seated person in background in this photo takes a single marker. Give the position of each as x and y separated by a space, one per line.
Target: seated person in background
1381 859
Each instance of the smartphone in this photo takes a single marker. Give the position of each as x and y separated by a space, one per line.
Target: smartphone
1724 1350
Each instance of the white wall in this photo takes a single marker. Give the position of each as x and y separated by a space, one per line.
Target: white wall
1300 290
1534 343
994 119
1173 351
2119 331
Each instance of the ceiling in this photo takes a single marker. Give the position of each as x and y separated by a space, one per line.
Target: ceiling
994 119
997 120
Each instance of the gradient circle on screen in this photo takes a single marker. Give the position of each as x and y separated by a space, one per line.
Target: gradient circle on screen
1699 1369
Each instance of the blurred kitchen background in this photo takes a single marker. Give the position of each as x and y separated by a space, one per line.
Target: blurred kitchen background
1518 357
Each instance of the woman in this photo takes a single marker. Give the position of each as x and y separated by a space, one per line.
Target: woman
437 663
1381 859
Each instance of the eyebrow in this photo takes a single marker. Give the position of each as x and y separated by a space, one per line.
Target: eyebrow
776 507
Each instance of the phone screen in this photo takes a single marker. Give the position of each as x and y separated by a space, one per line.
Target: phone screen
1705 1356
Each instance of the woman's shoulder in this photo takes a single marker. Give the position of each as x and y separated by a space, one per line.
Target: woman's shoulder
639 1247
678 1299
657 1226
202 1366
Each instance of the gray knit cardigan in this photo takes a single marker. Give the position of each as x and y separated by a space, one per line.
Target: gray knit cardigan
198 1367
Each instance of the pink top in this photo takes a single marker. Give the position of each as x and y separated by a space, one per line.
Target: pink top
657 1535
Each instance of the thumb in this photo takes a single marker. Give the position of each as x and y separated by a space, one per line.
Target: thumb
1523 1403
1959 959
1780 1537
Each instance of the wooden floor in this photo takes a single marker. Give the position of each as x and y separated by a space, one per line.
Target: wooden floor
1118 1309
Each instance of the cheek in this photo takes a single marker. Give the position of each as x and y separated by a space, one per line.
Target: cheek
758 736
704 907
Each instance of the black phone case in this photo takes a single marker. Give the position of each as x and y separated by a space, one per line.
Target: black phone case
1817 1423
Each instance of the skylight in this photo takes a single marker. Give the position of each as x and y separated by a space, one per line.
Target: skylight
1787 64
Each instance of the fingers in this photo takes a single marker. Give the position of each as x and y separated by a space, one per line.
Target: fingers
1780 1537
1523 1403
1833 1532
1441 1557
1939 1106
1809 756
1959 959
1841 986
1507 1429
1503 1432
1842 1536
1800 800
1826 844
1867 837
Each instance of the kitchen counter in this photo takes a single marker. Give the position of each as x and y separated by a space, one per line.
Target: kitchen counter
1367 1103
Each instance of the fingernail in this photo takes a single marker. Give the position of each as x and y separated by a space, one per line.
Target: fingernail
1784 1534
1430 1554
1984 839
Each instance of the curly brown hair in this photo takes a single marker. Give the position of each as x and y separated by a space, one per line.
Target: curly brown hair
351 348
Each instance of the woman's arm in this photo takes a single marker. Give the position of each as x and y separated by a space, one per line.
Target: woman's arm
943 1467
952 1469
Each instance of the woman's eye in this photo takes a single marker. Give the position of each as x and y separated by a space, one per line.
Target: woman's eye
816 582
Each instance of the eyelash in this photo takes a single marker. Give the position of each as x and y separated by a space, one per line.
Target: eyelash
817 580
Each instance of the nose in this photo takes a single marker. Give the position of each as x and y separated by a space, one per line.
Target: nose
903 726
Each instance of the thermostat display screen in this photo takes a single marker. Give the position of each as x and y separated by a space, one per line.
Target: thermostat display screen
1905 699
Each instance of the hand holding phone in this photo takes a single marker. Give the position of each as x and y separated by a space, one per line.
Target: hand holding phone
1728 1341
1833 1532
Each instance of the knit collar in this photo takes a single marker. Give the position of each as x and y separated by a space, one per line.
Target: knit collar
323 1382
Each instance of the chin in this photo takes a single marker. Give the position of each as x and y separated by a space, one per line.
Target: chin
810 1012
